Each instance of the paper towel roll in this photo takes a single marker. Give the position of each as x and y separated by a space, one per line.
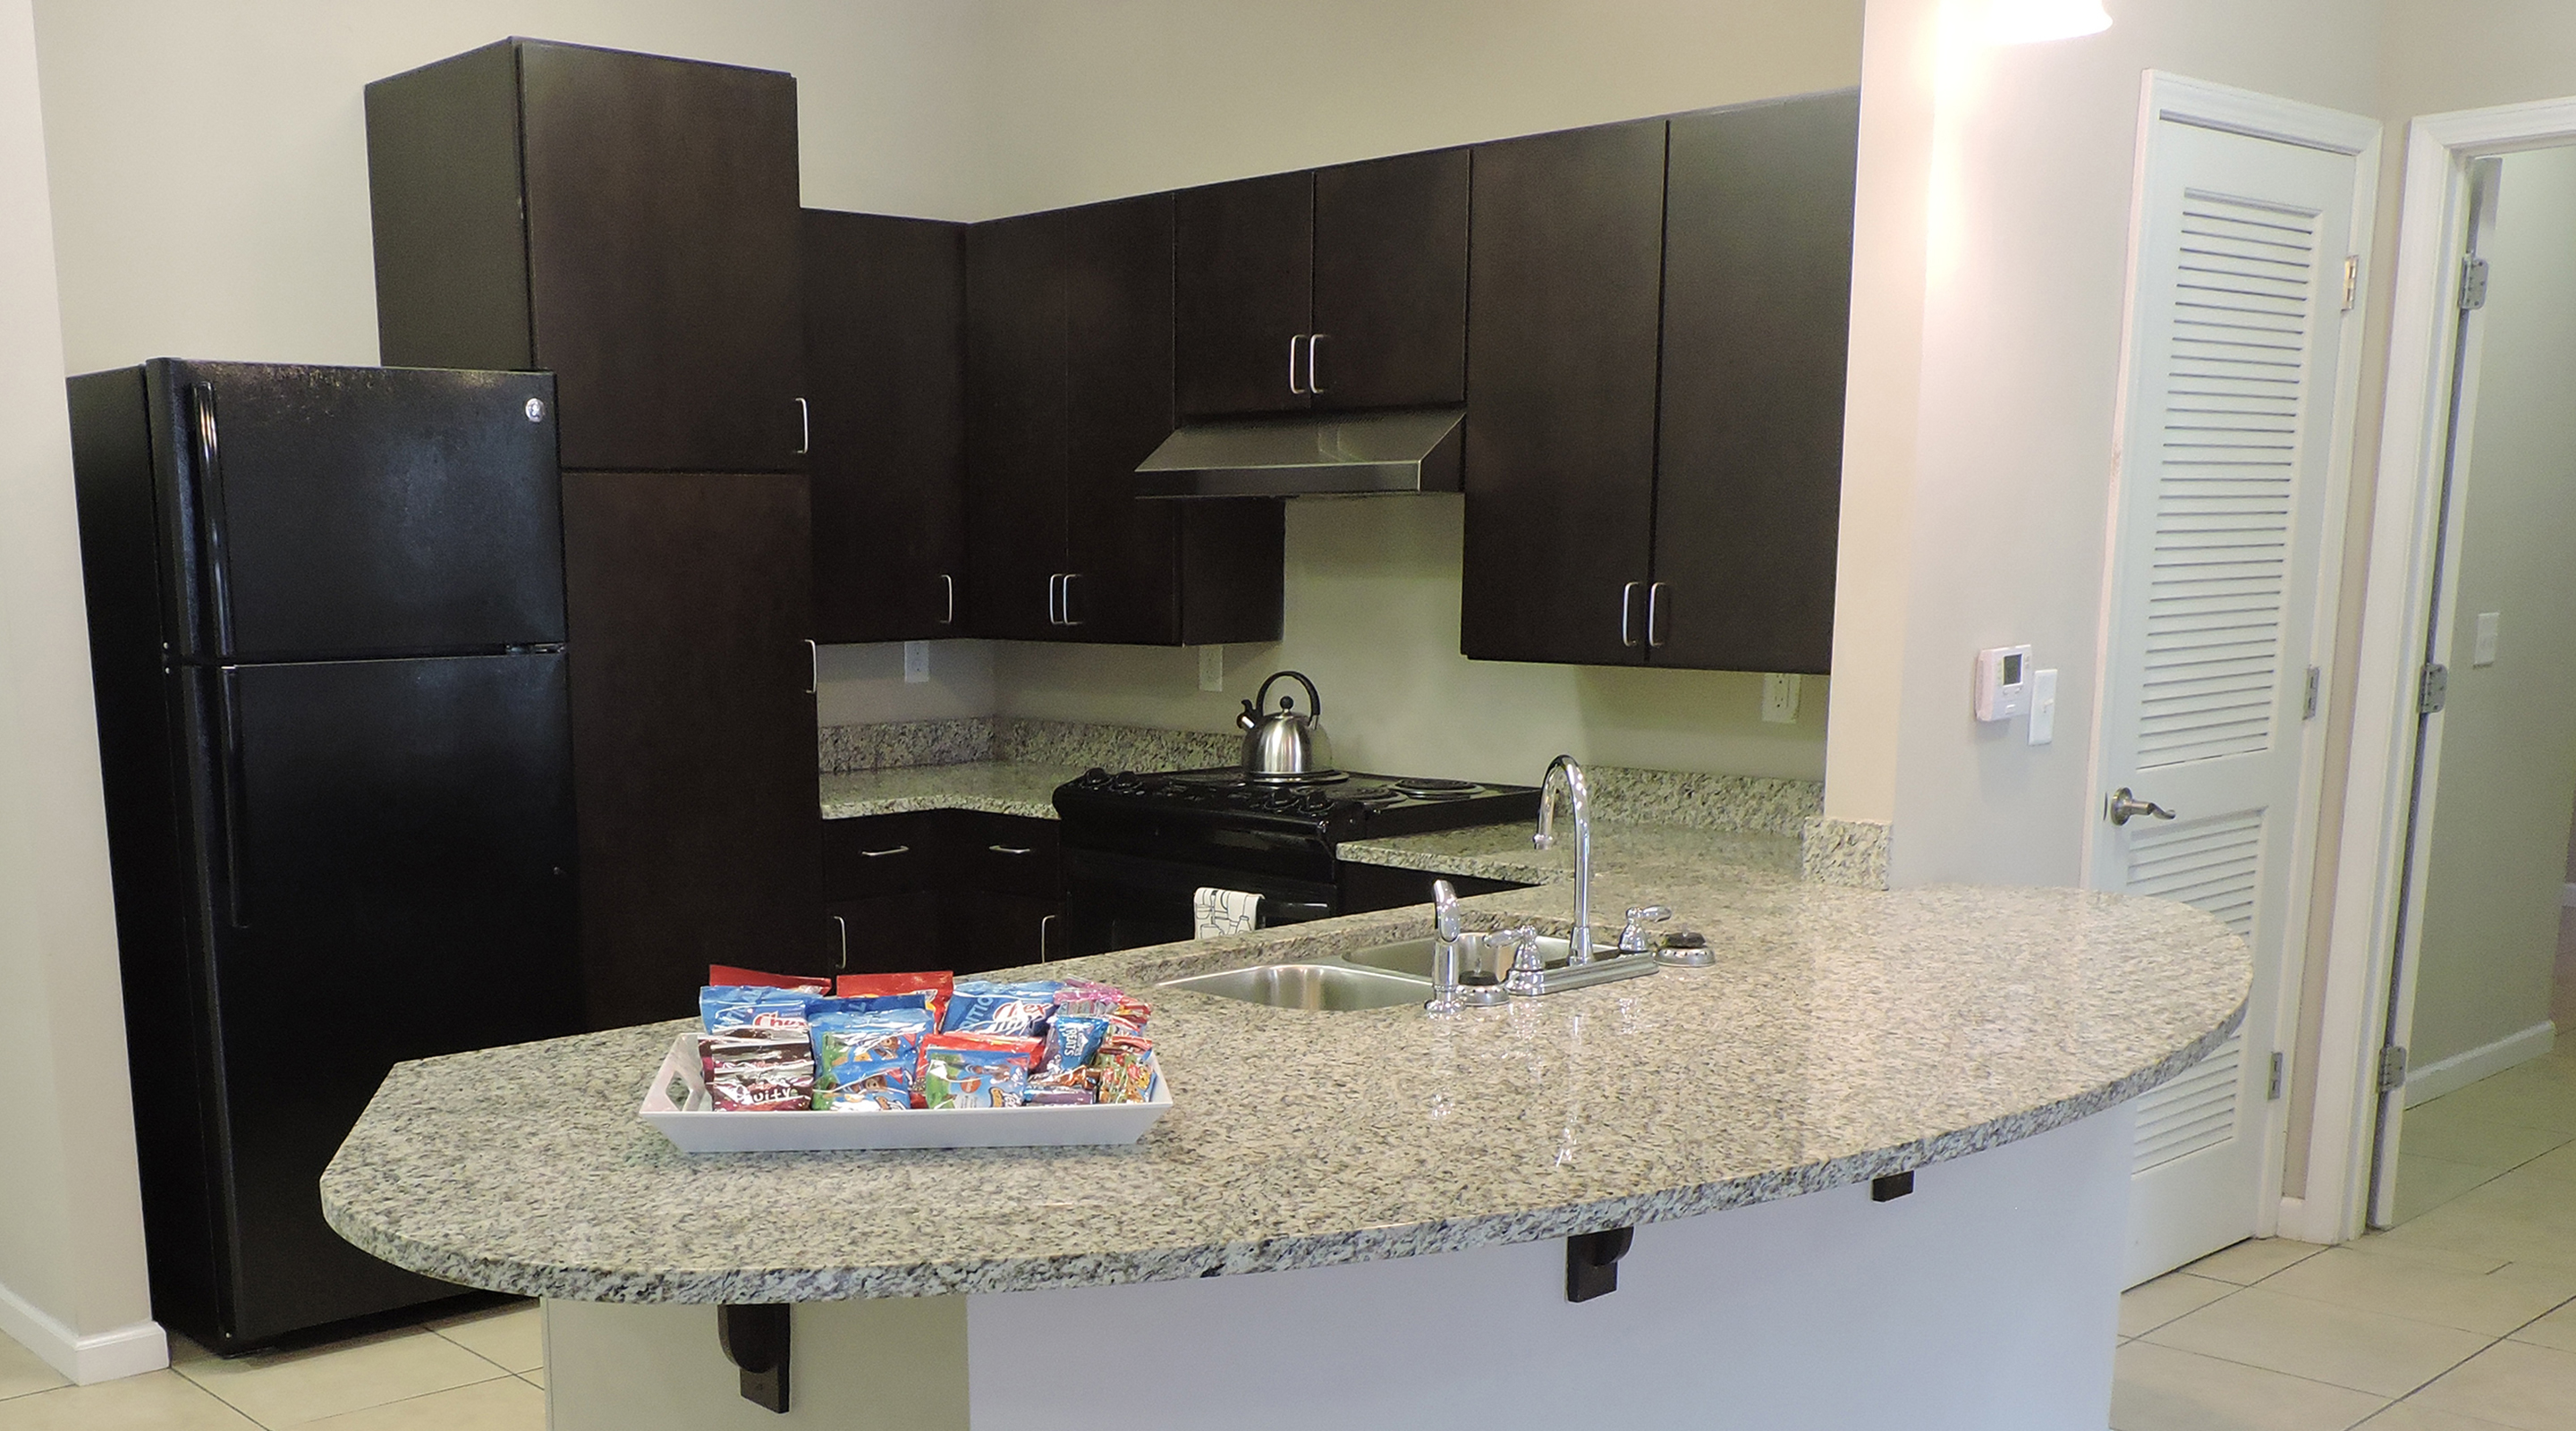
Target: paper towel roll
1224 911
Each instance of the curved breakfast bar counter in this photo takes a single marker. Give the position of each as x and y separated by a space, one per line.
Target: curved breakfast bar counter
1843 1035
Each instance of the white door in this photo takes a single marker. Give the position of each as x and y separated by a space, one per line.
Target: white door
2235 331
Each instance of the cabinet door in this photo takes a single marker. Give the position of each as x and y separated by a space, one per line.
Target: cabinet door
1566 245
1757 308
886 934
687 608
1015 429
1246 266
1124 553
1391 282
661 209
988 931
884 360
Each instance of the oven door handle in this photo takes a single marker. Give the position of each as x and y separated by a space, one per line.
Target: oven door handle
1303 908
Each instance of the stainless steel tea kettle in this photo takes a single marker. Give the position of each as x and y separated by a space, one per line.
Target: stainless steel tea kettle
1285 746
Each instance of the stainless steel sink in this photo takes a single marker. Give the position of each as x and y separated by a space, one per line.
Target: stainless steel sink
1308 986
1412 957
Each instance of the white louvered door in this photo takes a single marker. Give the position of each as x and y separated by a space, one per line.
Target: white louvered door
2234 337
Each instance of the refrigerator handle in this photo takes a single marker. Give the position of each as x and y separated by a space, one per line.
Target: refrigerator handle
210 522
228 783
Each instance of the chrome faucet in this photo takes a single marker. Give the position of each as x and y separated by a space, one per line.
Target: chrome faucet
1578 797
1445 929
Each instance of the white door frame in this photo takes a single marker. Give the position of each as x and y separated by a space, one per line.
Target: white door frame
2396 605
2182 100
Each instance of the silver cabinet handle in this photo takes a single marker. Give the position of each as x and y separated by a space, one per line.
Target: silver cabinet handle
1045 923
1628 613
1293 341
1052 579
1069 618
949 583
1655 614
2124 807
804 428
1315 362
1012 849
813 667
881 854
844 925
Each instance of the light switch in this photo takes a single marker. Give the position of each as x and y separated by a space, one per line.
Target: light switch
2483 654
1780 699
916 662
2043 707
1211 668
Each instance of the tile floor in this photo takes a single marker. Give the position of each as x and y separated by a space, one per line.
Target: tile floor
484 1371
2460 1318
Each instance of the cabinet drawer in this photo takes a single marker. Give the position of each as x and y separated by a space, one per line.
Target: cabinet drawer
1010 854
883 854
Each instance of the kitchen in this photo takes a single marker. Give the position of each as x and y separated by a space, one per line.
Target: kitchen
1392 564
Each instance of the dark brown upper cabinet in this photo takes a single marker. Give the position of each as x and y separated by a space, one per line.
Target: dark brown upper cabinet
1567 253
1341 288
1655 378
1757 313
1069 385
885 302
627 221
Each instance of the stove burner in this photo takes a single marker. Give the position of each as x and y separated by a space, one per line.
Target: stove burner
1424 788
1372 795
1311 777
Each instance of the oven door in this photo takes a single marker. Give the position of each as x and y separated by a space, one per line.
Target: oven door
1117 901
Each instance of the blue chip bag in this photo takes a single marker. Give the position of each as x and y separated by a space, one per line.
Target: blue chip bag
1010 1010
1071 1040
735 1008
867 1058
866 1003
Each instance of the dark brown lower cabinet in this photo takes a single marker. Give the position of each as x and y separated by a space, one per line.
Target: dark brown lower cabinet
1366 889
687 605
939 889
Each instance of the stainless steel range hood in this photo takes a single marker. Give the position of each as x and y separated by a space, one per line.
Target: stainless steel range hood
1308 455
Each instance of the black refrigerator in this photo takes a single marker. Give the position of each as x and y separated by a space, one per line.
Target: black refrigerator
327 640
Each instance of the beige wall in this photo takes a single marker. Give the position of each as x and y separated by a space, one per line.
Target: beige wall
71 1230
2497 859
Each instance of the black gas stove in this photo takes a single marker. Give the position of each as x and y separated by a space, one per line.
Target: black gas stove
1137 844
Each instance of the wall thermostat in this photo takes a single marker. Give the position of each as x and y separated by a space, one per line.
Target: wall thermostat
2003 682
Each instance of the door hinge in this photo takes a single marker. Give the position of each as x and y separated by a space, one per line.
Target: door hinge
2308 703
2473 283
2280 1075
2433 688
2392 1068
2351 280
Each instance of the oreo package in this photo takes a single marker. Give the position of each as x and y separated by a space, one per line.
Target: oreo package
753 1073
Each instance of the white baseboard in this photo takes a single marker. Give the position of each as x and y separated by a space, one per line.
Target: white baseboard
101 1356
2462 1069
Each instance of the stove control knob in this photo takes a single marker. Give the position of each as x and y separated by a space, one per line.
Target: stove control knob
1091 779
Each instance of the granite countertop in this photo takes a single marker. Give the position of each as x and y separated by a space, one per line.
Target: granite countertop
1843 1034
994 787
1643 851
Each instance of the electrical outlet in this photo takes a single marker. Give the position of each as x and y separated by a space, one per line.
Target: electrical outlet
1211 668
1780 699
2483 652
916 662
2043 707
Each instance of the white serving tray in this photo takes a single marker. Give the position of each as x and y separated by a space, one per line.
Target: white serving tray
698 1126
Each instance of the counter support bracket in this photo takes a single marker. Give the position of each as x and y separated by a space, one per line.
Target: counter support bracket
1592 1262
754 1338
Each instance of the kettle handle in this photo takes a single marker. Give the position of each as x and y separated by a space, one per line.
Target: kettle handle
1314 702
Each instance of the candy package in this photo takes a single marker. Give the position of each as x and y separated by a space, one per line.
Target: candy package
803 984
866 1058
733 1008
971 1070
1070 1085
1081 996
1071 1040
757 1074
938 984
1011 1010
1124 1071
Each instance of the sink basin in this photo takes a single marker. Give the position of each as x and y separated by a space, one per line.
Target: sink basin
1412 957
1307 986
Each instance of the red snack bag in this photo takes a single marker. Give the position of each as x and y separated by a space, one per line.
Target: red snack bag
940 984
801 983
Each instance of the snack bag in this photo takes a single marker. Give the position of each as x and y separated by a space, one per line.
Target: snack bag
1071 1085
727 974
940 984
1125 1069
1081 996
968 1070
1011 1010
866 1058
735 1008
870 1004
1071 1040
757 1074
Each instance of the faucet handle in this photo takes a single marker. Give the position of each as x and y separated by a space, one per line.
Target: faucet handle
1444 911
1632 939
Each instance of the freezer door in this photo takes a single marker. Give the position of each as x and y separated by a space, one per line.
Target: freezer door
338 512
394 849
